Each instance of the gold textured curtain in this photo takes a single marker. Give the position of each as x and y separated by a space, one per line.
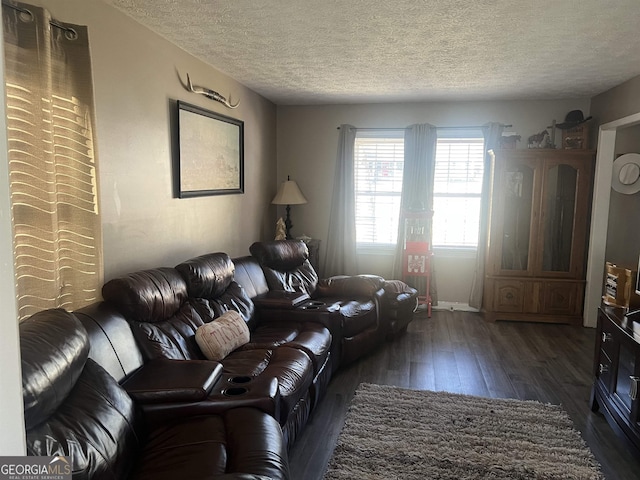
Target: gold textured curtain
52 161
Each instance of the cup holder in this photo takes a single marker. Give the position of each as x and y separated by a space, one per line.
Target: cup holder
240 379
235 391
313 305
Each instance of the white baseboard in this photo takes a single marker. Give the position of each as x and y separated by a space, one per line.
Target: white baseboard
454 306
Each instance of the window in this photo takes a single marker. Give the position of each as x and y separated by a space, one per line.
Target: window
378 160
459 169
457 189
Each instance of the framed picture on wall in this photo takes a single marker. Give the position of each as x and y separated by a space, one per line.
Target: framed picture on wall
210 153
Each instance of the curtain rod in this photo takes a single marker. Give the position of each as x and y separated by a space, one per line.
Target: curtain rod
468 127
53 23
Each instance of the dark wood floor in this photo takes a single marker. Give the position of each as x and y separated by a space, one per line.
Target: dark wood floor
459 352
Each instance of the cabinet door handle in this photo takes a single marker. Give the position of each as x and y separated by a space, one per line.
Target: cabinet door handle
606 337
633 387
603 368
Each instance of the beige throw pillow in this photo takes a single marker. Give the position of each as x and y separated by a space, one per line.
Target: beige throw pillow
219 338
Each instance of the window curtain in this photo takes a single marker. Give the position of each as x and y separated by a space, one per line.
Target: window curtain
492 133
417 188
340 258
52 161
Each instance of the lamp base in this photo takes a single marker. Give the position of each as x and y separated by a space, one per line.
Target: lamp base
287 223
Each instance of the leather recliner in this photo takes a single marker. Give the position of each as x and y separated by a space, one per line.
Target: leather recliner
164 321
212 288
350 306
73 407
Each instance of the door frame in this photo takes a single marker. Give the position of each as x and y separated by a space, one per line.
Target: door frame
600 215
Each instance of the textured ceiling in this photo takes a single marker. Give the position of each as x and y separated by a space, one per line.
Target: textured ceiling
364 51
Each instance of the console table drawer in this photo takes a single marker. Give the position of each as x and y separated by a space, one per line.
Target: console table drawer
608 345
603 371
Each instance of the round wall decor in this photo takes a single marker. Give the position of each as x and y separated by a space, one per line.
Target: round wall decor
626 174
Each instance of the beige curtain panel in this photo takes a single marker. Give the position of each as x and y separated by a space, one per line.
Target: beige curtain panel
52 161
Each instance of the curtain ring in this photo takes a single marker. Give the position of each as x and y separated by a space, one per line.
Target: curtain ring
70 34
25 15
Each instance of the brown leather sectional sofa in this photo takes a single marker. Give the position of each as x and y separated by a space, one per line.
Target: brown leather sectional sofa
124 388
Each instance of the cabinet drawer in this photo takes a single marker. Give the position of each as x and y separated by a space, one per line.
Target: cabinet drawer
508 296
603 371
562 298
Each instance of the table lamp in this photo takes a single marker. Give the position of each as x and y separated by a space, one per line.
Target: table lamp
288 194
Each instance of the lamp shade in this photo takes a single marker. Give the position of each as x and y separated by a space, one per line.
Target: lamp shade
289 194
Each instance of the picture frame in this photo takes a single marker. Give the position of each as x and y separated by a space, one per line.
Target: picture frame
210 158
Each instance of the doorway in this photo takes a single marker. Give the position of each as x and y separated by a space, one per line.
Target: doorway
600 214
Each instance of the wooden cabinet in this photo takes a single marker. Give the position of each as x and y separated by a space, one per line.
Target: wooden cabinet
616 388
538 231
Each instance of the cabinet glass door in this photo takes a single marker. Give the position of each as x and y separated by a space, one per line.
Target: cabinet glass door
560 203
626 367
627 386
518 203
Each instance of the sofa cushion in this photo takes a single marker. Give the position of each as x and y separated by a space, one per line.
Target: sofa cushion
347 286
219 338
95 427
212 289
249 276
73 407
312 338
207 276
286 266
147 296
54 347
113 345
155 303
397 291
281 254
243 443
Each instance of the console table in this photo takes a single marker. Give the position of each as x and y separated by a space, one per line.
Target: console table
616 388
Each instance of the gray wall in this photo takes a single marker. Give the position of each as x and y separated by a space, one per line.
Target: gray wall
618 102
307 146
623 232
137 75
136 79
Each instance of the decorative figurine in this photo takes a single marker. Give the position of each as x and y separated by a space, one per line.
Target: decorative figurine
539 140
211 94
281 230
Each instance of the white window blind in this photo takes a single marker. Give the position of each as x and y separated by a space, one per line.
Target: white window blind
378 163
457 190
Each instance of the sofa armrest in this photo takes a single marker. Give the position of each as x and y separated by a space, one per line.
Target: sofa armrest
346 286
165 381
260 392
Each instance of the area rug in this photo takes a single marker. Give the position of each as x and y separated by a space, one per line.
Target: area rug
395 433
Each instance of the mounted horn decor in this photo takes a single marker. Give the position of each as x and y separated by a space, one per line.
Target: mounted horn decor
212 94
